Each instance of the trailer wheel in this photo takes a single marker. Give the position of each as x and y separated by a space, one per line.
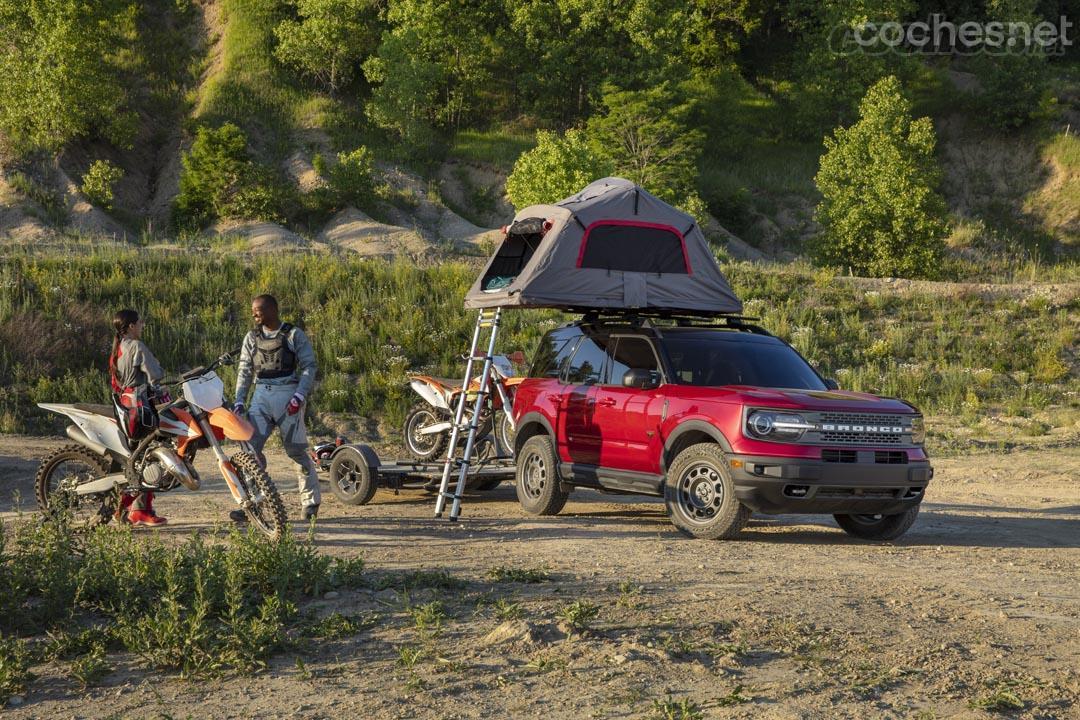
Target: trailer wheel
352 481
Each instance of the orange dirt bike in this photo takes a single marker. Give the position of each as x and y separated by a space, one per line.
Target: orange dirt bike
430 422
88 478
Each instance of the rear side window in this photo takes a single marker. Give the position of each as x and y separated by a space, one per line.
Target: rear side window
633 247
586 365
552 355
629 353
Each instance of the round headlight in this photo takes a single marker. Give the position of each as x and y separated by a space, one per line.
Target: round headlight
760 424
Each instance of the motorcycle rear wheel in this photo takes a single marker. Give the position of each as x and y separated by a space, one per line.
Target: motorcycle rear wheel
268 514
424 448
60 472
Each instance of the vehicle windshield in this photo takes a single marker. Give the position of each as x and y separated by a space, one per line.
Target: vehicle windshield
716 359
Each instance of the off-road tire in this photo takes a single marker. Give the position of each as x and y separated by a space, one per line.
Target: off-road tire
878 527
504 432
416 416
97 464
270 516
351 480
539 487
700 495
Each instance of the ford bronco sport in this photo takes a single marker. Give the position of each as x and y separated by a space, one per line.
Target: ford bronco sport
719 419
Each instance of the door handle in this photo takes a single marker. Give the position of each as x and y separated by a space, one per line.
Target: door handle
606 402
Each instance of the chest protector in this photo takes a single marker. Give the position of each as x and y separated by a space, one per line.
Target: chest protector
273 358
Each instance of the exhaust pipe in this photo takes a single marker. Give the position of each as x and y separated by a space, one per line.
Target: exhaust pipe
172 462
75 433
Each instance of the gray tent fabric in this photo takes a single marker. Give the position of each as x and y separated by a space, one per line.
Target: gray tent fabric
612 245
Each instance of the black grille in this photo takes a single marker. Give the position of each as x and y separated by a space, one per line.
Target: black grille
863 438
860 418
890 457
839 456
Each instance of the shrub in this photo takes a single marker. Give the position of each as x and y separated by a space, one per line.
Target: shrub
98 182
881 213
557 167
1012 80
220 179
350 181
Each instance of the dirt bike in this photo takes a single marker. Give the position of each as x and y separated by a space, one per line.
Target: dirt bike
429 423
87 479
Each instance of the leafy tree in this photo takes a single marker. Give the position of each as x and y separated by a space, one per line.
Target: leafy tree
1012 79
56 77
219 179
557 167
350 181
99 180
881 213
645 135
405 100
329 40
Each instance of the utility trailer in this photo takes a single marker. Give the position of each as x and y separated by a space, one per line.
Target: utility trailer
356 472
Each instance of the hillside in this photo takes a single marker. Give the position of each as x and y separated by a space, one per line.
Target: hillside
438 181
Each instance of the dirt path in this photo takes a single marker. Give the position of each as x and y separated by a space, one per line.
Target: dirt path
978 604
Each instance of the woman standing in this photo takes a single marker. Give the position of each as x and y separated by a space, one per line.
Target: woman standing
133 370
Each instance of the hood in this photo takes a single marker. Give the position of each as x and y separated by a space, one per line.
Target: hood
822 400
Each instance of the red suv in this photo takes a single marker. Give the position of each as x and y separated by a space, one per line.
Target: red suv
720 420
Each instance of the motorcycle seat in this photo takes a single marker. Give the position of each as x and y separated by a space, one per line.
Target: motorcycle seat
103 410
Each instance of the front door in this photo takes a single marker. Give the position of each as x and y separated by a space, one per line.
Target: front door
629 417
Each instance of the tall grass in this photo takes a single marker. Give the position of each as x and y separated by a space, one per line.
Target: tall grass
945 348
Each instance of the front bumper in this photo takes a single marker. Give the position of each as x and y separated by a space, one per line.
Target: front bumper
774 485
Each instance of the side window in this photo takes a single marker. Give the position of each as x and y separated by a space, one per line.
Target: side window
586 365
552 355
630 353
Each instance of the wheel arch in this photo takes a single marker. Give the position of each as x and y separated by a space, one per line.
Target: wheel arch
690 433
529 425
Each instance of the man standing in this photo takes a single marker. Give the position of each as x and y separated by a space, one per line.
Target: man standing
282 361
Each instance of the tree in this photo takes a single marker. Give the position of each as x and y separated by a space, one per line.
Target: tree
881 213
645 136
56 80
329 40
1012 79
557 167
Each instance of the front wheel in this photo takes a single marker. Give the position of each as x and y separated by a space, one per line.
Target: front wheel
700 495
878 527
60 473
266 511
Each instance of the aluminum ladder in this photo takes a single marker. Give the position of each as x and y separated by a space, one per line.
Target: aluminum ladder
487 319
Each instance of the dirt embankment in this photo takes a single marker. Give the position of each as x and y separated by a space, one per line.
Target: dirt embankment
977 606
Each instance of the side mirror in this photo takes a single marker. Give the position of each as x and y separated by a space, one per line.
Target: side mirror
832 384
641 379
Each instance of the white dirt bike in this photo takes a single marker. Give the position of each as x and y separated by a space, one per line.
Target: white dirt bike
87 479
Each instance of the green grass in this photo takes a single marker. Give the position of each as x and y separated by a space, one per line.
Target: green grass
962 353
493 147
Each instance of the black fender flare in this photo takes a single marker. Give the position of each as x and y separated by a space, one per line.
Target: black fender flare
699 426
531 418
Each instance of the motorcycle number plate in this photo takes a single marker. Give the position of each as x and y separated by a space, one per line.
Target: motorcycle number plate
205 392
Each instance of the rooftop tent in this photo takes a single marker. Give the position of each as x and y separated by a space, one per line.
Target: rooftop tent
612 245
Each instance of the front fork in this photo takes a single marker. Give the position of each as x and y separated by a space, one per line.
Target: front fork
236 487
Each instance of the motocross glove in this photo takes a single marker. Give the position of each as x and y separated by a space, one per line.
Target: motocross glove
294 404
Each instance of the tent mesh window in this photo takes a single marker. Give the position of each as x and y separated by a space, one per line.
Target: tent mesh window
633 247
522 239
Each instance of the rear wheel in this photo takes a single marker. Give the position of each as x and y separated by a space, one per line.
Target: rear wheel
424 447
539 488
60 473
267 512
878 527
351 480
700 495
504 432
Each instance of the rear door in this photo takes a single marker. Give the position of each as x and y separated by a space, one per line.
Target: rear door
629 417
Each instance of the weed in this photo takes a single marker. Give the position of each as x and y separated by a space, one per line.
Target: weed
1000 700
408 657
428 618
542 664
14 667
418 579
669 709
507 609
302 669
579 615
504 574
336 626
735 697
91 666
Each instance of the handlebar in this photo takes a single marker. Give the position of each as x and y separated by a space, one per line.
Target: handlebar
223 360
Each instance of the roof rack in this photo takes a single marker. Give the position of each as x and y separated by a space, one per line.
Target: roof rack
648 318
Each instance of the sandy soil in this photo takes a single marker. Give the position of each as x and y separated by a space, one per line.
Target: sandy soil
792 620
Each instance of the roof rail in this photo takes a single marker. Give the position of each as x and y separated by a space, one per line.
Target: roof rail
661 318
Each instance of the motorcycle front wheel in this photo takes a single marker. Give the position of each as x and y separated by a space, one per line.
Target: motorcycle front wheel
267 512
